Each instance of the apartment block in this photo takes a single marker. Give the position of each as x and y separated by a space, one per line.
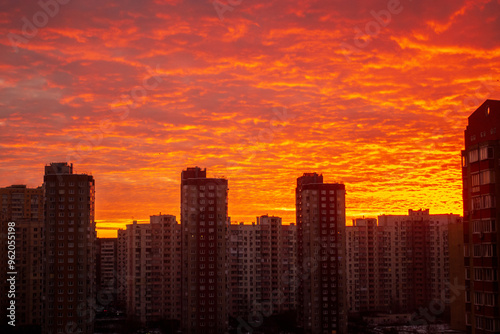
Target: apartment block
457 275
320 210
70 245
480 172
139 272
366 266
400 264
21 202
23 207
121 269
204 223
149 273
262 267
106 272
166 266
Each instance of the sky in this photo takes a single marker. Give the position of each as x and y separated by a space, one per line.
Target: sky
371 93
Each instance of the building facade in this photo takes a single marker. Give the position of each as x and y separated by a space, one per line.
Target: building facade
22 207
139 272
121 269
400 264
365 272
106 272
70 235
166 266
204 223
480 171
151 258
321 297
262 267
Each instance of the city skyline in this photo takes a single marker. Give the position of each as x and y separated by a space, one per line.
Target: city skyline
373 94
111 232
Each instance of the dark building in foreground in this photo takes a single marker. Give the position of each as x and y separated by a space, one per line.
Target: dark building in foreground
70 250
22 210
320 209
204 224
481 192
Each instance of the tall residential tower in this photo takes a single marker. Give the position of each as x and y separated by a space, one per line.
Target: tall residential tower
320 209
481 192
204 224
70 245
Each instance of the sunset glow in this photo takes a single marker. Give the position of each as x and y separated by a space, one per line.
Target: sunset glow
374 94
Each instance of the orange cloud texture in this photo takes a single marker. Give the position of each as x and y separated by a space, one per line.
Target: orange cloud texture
375 94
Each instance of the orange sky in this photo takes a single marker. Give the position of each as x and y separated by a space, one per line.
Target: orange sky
374 94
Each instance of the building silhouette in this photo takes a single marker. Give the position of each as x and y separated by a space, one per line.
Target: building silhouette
481 174
23 206
400 263
150 277
204 223
106 273
70 244
321 296
262 260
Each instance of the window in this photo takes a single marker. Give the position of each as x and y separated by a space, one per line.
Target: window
488 250
485 153
489 299
475 179
478 298
477 250
473 156
487 177
488 201
476 226
478 274
476 203
488 324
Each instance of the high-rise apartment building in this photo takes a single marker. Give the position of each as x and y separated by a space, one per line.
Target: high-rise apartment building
457 276
480 173
121 269
23 207
365 264
400 264
204 223
106 272
166 266
320 209
138 264
151 257
242 262
70 250
21 202
262 267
